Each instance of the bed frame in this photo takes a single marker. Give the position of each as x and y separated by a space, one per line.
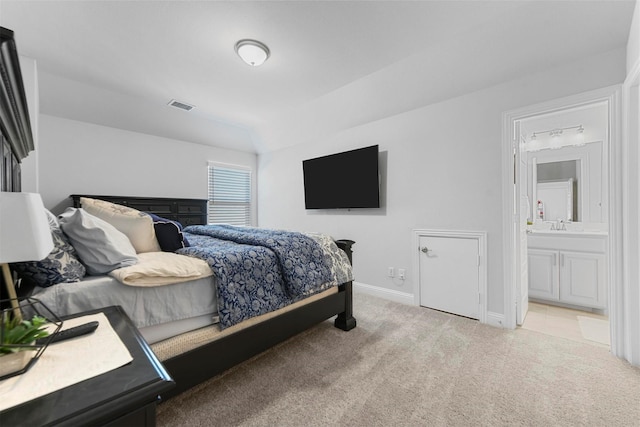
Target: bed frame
195 366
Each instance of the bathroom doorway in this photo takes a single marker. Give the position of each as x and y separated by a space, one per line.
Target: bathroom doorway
565 156
555 132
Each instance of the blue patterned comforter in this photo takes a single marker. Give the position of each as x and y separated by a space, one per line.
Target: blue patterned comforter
260 270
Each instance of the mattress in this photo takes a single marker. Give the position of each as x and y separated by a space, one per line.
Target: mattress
193 304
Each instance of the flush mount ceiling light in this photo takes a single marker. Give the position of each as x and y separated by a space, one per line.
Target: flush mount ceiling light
252 52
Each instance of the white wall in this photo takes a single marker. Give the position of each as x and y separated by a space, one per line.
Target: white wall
441 170
78 157
633 45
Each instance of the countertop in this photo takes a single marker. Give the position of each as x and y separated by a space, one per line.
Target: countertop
569 233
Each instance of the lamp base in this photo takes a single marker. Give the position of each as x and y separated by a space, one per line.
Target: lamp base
11 289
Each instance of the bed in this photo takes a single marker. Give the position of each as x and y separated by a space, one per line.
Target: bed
198 335
192 349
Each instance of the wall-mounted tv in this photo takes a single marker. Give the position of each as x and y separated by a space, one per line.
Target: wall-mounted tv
342 181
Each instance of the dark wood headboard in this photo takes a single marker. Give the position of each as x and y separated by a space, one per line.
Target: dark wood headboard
185 211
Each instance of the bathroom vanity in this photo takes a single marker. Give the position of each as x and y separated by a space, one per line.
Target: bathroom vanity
568 267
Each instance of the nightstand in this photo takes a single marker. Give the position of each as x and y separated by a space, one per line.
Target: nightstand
126 396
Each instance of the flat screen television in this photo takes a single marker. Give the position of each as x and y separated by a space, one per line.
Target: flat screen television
342 181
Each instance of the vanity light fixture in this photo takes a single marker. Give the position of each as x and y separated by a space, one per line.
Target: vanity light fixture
558 138
252 52
557 131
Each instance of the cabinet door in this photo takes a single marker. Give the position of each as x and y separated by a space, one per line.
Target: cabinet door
543 274
582 279
449 275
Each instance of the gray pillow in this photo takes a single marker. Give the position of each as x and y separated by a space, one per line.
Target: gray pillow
100 246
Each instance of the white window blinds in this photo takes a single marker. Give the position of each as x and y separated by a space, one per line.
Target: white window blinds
229 194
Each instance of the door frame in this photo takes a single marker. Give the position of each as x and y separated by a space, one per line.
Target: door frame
480 236
611 95
629 317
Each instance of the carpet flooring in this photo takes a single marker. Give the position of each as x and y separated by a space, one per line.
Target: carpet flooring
411 366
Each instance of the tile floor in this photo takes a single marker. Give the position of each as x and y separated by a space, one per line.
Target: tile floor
567 323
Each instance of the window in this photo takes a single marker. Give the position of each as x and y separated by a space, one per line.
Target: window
229 194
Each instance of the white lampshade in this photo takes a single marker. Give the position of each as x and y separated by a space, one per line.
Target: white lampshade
252 52
24 229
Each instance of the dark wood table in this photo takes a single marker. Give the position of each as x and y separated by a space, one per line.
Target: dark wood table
126 396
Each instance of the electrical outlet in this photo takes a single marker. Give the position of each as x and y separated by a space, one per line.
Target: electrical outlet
401 273
391 272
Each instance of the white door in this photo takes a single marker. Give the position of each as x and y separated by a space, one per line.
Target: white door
449 275
522 213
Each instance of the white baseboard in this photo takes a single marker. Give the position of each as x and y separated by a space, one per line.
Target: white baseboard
495 319
390 294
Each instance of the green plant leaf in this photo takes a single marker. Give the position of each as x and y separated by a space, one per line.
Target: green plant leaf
16 332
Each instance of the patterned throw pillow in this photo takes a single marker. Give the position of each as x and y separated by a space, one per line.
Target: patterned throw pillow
60 266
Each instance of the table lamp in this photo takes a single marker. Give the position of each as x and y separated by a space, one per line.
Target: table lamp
24 235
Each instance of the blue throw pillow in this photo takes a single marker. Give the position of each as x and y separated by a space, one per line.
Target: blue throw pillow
168 233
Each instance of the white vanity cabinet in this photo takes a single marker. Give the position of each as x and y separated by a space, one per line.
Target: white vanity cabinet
570 268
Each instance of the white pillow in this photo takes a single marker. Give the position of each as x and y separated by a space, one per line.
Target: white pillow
162 268
136 225
99 245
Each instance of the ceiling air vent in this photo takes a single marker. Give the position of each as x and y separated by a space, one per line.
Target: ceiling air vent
181 105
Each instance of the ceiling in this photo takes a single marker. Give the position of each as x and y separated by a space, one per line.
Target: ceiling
334 64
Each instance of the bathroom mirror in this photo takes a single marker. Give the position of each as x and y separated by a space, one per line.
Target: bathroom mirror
557 186
585 165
